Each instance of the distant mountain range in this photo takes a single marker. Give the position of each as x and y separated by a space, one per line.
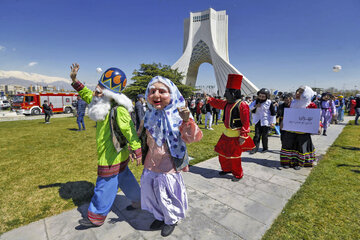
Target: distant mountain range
26 79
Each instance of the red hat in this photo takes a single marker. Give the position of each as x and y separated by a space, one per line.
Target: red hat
234 81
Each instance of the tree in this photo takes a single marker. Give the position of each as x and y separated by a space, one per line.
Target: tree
146 72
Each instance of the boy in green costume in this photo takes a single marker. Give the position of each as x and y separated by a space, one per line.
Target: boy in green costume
115 133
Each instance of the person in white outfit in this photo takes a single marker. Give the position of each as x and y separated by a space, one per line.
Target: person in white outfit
264 117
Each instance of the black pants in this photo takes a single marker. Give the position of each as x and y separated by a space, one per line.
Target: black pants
47 117
215 116
261 132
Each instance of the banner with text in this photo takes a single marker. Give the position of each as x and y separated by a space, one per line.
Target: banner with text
305 120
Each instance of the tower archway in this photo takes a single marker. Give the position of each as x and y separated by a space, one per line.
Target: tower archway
206 40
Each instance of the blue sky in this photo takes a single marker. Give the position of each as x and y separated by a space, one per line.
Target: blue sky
278 44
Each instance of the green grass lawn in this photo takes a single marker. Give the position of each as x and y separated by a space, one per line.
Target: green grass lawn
327 206
35 158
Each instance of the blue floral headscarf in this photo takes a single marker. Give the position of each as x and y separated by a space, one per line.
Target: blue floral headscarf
163 125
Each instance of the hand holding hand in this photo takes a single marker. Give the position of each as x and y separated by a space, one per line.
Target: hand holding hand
138 161
74 70
184 113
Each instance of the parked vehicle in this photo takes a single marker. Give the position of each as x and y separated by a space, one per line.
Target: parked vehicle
31 104
4 104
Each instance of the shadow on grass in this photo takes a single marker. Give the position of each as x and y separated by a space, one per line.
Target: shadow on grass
349 165
348 147
138 219
73 129
80 192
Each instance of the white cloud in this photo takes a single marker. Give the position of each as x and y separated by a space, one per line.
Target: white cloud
31 64
31 77
2 48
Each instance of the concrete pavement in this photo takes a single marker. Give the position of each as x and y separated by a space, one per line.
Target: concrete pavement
218 207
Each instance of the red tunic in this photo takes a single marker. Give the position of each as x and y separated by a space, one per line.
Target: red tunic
352 108
227 146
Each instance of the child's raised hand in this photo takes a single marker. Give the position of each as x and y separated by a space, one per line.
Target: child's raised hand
74 70
184 113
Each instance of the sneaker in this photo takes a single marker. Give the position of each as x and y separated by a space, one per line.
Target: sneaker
297 168
167 229
222 173
85 222
156 225
211 129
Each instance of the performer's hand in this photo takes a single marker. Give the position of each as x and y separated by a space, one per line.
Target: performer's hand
184 113
137 154
241 141
74 70
138 161
132 156
272 125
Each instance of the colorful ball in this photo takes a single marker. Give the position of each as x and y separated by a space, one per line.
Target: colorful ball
113 79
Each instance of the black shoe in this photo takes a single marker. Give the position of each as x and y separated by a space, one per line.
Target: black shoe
264 150
253 151
130 208
156 225
324 133
286 166
167 229
222 173
235 179
85 222
297 168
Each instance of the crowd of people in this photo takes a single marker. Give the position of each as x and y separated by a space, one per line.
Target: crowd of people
163 122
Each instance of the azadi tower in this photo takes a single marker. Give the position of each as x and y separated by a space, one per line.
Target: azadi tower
206 40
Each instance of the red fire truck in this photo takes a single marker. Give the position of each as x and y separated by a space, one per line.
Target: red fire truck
31 103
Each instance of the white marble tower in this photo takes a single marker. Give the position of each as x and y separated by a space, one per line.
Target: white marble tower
206 40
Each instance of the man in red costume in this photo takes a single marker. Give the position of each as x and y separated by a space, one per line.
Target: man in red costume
235 139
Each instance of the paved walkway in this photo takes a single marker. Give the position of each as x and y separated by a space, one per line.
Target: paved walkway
218 207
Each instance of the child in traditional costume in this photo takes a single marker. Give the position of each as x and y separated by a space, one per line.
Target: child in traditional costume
169 126
327 111
235 139
297 149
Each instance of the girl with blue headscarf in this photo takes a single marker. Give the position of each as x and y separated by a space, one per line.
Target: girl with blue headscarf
169 126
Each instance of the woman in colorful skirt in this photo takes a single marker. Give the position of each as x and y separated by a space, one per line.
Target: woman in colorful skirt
297 149
169 126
